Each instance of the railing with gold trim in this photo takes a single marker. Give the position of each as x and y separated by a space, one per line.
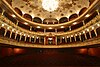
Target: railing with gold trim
89 42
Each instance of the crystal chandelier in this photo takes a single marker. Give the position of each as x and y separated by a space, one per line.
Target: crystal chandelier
50 5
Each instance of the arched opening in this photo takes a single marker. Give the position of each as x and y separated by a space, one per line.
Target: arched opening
28 17
73 16
18 11
82 11
63 19
37 19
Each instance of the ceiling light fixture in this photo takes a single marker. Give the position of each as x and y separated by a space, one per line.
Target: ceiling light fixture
32 36
92 28
98 25
75 34
37 37
62 27
3 25
50 5
24 34
26 23
74 23
38 27
13 30
87 29
28 35
50 27
23 12
8 28
77 12
80 33
32 16
13 15
67 36
87 15
63 37
16 31
83 31
57 18
71 35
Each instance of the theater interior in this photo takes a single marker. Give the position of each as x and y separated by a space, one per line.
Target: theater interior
49 33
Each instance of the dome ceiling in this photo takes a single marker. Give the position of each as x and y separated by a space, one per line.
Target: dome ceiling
65 8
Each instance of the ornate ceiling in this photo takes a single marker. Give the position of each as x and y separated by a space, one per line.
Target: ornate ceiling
65 9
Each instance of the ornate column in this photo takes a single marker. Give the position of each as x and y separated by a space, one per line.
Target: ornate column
47 22
85 35
3 12
17 23
53 23
30 39
97 11
70 39
60 39
39 39
65 39
75 37
56 39
30 28
44 30
68 18
42 22
5 32
83 22
95 32
90 34
70 28
10 34
55 30
15 36
25 38
20 37
58 22
44 40
80 37
34 39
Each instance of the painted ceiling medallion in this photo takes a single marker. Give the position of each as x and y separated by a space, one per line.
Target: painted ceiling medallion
50 5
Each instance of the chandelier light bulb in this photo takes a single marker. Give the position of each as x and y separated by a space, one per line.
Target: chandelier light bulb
50 5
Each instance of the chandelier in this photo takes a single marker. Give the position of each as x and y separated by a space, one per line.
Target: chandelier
50 5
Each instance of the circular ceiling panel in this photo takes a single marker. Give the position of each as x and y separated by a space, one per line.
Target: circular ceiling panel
64 8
